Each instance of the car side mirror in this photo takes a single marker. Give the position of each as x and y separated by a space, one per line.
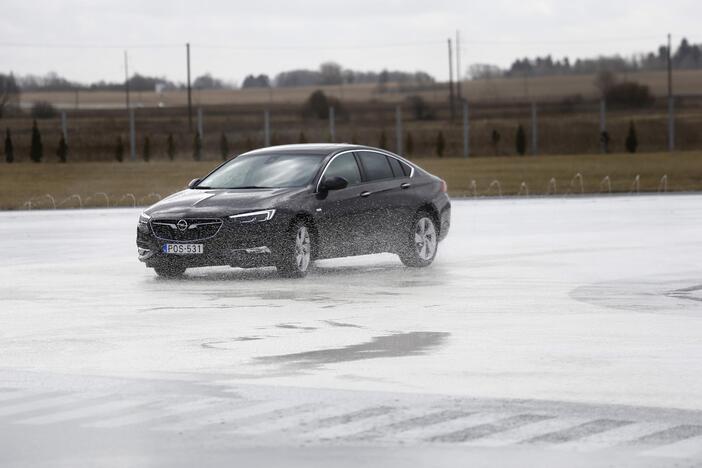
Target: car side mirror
334 183
193 183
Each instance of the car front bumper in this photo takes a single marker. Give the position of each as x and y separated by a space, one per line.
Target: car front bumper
234 244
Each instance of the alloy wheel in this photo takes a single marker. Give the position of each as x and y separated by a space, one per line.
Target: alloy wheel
425 238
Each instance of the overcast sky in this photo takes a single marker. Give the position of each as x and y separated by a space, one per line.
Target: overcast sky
265 36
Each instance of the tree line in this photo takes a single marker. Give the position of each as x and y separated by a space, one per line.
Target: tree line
686 56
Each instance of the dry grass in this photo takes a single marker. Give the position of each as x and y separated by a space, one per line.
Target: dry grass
22 182
546 88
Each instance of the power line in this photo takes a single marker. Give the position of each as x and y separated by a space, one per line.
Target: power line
36 45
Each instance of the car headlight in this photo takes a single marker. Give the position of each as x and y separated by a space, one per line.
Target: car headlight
253 216
144 218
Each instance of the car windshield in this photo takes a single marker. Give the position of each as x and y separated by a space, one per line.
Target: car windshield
264 171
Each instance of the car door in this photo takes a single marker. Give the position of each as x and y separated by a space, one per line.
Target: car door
382 190
339 213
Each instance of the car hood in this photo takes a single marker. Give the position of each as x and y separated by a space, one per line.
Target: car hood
192 203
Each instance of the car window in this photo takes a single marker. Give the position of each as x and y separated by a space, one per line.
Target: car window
406 168
344 166
375 165
396 167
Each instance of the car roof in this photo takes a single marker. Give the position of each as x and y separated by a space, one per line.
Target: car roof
321 149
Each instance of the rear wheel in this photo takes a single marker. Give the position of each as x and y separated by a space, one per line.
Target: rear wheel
296 255
169 271
421 243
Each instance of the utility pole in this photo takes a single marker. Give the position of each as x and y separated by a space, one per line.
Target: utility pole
130 111
459 81
671 99
450 56
190 92
126 78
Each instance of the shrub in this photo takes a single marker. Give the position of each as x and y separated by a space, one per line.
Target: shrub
119 149
409 144
62 150
420 109
440 144
383 140
36 151
495 141
223 146
170 147
318 104
43 110
9 148
197 147
520 140
147 149
632 141
629 94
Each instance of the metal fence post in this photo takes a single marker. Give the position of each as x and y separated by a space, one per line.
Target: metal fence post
64 126
671 124
132 134
266 128
534 129
332 129
466 130
398 129
199 123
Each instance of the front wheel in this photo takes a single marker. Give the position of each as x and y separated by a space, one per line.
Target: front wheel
421 243
296 255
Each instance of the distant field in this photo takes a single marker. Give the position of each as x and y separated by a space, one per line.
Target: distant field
20 183
547 88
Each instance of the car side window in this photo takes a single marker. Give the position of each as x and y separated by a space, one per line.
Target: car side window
375 166
396 167
344 166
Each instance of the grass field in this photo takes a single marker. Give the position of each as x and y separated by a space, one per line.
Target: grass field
20 183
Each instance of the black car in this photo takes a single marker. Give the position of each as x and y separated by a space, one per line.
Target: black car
286 206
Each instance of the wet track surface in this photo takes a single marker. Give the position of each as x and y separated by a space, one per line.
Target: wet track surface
551 330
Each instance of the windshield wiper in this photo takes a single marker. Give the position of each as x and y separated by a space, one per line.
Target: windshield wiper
201 187
247 187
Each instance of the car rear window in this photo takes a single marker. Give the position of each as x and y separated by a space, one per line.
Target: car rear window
375 165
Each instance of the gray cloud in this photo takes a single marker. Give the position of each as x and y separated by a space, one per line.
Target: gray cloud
277 35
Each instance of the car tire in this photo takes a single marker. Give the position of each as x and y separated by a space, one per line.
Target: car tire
421 243
169 271
296 252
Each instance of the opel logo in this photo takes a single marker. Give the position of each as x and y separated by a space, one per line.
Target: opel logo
182 225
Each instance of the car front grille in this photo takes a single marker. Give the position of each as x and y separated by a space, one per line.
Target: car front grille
186 229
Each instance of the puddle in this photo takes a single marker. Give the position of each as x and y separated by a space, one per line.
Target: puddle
671 295
395 345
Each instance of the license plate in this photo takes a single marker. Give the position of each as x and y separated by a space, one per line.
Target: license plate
183 249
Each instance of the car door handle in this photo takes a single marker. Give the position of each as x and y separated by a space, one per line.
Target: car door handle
365 194
406 185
